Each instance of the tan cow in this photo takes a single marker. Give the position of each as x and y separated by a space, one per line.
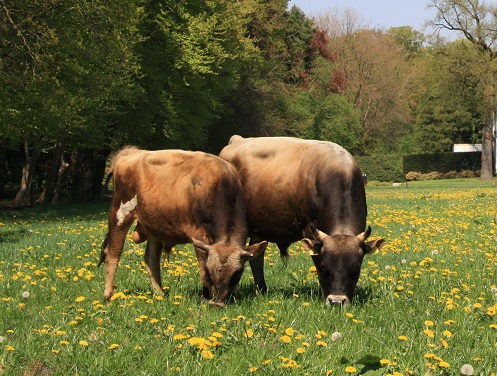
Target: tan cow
179 197
311 190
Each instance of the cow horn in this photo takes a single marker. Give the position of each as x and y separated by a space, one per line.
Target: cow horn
321 236
361 238
200 245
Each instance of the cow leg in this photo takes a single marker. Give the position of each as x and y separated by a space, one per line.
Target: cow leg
257 266
112 254
152 262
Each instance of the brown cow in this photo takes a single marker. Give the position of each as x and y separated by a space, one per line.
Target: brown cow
179 197
294 187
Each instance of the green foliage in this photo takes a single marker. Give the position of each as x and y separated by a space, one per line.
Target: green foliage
442 162
382 167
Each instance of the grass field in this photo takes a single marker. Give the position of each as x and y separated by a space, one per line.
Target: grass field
426 304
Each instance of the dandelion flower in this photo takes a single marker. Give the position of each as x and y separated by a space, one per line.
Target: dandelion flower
9 348
285 339
252 369
429 323
83 343
402 338
289 331
336 336
206 354
25 294
321 343
64 343
300 350
429 333
384 362
249 333
113 346
350 369
467 369
80 299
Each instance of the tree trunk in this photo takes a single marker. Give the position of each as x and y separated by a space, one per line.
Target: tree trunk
62 168
487 132
48 191
27 173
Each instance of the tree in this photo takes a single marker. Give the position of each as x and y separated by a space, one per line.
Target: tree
376 70
477 22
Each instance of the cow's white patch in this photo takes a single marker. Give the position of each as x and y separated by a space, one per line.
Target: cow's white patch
125 209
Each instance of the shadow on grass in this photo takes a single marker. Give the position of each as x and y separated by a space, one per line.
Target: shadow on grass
13 236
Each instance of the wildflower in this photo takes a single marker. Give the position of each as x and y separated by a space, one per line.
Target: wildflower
467 369
9 348
321 343
64 343
384 362
289 332
206 354
80 299
252 369
285 339
300 350
25 294
447 333
2 339
429 333
336 336
443 364
428 323
249 333
83 343
113 346
54 351
179 336
350 369
402 338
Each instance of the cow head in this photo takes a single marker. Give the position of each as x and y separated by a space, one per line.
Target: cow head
338 260
221 267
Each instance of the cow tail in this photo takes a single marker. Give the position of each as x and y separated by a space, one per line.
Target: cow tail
103 255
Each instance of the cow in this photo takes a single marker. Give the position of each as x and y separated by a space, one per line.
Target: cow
305 190
179 197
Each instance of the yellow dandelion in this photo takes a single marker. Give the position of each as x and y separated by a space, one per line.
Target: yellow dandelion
55 351
429 333
113 346
384 362
402 338
249 333
300 350
350 369
444 364
252 369
206 354
80 299
289 331
321 343
9 348
429 323
285 339
83 343
64 343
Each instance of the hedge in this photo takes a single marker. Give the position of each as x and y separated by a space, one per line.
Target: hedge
382 167
442 162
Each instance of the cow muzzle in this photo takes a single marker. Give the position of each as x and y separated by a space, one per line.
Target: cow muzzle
335 300
216 304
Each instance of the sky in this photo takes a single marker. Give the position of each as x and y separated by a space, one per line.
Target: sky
381 13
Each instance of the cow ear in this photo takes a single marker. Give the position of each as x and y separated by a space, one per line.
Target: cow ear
257 249
373 245
201 246
312 247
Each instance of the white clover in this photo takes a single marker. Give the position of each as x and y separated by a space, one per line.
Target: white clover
25 294
467 369
434 252
336 336
404 261
388 267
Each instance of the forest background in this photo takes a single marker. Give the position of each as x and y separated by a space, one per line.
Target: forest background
81 78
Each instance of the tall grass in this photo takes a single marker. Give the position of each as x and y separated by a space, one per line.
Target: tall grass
426 303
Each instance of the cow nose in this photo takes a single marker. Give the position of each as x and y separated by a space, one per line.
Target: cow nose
216 304
334 300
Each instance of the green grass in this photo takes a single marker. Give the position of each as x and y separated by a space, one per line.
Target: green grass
424 303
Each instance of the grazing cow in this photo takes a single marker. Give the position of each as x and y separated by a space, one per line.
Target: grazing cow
311 190
179 197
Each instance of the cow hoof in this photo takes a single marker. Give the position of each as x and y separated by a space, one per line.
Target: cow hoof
108 295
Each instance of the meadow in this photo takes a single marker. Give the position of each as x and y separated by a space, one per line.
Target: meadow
426 303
